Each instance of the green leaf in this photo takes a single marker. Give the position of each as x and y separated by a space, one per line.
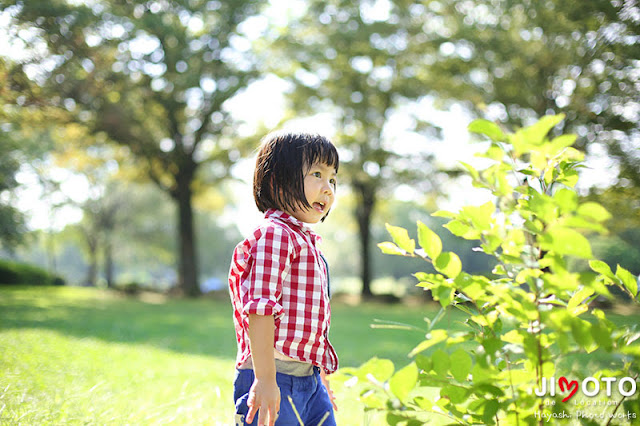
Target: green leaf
536 133
495 152
560 143
490 410
602 268
481 374
444 295
499 270
429 241
473 286
594 211
458 228
441 362
433 338
444 213
424 403
568 177
472 171
401 238
492 345
456 394
393 325
480 216
424 363
460 365
375 400
578 222
488 390
538 160
380 369
389 248
543 206
449 264
528 171
566 241
602 334
581 331
430 281
404 381
487 128
579 297
628 280
567 200
513 336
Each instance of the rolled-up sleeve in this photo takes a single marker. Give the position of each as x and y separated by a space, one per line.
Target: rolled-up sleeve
261 292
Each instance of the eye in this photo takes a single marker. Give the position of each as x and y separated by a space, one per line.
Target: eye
333 181
316 174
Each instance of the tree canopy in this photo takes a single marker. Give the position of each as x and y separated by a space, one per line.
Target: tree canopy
346 61
153 77
515 61
20 142
505 60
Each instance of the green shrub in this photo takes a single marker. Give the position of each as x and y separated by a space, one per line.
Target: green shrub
528 324
131 288
12 273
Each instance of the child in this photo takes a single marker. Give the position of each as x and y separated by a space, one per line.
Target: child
279 287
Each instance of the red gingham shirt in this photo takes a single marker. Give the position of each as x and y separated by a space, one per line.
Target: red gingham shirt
279 271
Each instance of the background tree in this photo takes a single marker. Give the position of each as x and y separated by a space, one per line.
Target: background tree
101 217
153 77
347 59
21 112
515 61
621 246
11 220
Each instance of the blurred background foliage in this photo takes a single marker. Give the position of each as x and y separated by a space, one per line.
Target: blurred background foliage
127 129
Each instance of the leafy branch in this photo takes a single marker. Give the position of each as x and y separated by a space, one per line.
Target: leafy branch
528 313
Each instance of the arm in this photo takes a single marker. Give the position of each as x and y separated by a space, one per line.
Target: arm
325 382
264 394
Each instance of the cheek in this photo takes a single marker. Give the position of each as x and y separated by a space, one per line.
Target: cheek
309 185
308 189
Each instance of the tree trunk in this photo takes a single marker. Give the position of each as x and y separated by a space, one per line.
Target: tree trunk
108 262
188 265
364 211
92 271
51 252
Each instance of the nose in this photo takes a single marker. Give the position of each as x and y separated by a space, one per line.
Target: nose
328 188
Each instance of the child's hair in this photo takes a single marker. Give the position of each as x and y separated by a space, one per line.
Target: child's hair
283 161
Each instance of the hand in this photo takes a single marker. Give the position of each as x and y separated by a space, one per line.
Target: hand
264 398
325 382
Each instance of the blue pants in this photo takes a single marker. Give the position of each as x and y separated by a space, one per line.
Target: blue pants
308 394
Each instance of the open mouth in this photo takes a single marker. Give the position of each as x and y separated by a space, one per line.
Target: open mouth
319 207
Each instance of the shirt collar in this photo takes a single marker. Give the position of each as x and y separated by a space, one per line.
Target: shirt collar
287 218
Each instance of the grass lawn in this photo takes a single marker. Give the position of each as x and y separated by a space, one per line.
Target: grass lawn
77 355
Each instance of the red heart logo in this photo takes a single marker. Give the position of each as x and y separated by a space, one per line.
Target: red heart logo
570 385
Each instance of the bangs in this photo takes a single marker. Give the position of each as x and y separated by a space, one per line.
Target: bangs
320 150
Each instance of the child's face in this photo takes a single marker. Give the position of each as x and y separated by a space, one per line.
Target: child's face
319 189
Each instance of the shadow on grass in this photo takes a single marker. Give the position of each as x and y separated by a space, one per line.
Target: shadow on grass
202 327
205 326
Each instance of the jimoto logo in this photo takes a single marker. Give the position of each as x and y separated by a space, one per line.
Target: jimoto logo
590 387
